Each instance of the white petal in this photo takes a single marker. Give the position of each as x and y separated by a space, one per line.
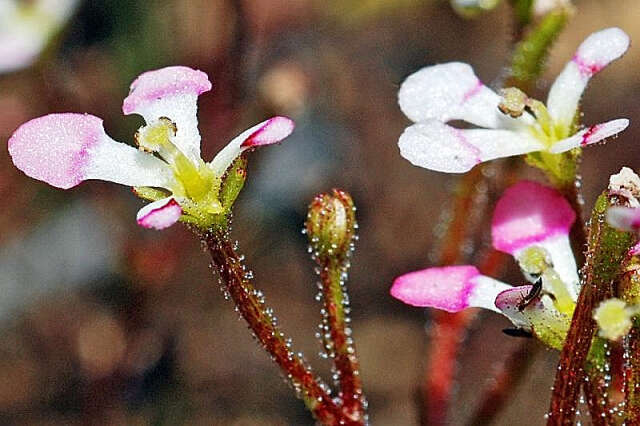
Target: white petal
591 134
595 53
66 149
120 163
624 218
160 214
437 146
485 291
452 92
564 263
171 92
268 132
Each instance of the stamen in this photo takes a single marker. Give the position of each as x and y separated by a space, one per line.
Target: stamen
196 180
513 102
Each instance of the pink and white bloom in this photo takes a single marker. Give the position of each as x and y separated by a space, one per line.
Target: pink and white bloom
437 94
67 149
532 223
26 28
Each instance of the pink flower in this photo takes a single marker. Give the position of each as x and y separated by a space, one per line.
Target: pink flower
437 94
67 149
531 222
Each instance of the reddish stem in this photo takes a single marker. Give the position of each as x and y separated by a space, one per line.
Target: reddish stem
341 346
632 382
511 371
251 306
606 251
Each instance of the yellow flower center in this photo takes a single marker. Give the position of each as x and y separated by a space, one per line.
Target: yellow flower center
196 186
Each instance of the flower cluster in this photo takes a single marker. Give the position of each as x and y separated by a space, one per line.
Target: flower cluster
531 222
510 125
67 149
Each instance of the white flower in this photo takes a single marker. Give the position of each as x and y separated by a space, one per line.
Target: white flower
67 149
438 94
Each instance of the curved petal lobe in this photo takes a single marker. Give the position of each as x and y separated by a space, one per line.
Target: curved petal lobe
595 53
450 91
450 288
591 134
528 213
66 149
268 132
160 214
437 146
171 92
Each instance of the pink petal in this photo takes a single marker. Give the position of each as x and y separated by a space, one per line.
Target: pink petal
595 53
54 148
66 149
450 288
268 132
271 131
160 214
529 213
437 146
624 218
451 91
590 135
165 82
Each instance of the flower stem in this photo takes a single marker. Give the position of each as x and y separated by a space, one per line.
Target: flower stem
509 374
632 382
250 305
448 329
340 346
607 249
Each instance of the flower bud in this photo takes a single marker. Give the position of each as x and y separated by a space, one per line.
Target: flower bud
331 224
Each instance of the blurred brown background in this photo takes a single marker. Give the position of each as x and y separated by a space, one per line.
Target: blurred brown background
104 322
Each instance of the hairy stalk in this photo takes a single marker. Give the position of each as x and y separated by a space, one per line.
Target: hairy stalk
331 226
607 249
531 51
250 305
341 347
629 290
632 379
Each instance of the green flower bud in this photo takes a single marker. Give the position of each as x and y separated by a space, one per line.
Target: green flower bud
331 224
